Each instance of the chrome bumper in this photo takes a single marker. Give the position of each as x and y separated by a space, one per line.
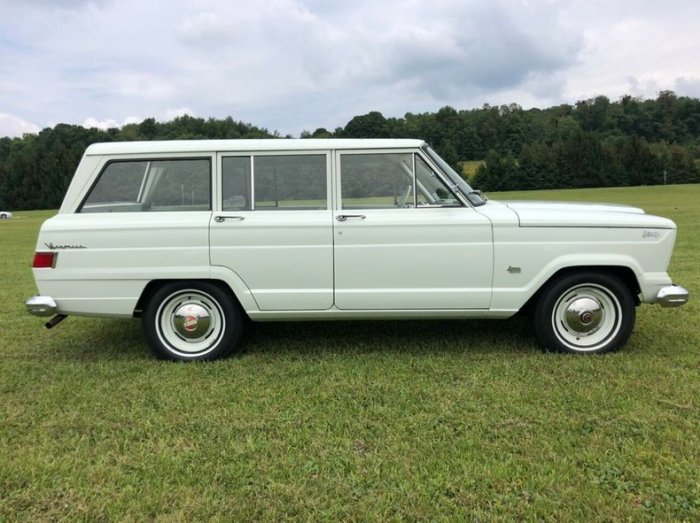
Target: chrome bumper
41 306
672 296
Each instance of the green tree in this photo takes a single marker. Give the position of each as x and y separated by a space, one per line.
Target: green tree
596 142
370 125
677 163
497 173
538 167
580 161
639 163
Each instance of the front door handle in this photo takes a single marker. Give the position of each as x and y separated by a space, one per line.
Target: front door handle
345 217
220 219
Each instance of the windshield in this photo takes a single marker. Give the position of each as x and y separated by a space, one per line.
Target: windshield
474 197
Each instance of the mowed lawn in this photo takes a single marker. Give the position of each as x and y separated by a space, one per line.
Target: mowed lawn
360 421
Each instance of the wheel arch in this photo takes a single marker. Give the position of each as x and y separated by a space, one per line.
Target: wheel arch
624 273
152 287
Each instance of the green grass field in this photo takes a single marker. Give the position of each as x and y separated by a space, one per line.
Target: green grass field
364 421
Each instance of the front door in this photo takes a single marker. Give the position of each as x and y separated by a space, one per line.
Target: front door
403 241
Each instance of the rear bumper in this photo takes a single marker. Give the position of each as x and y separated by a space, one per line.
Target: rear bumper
41 306
672 296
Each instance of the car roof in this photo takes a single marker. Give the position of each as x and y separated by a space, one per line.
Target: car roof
273 144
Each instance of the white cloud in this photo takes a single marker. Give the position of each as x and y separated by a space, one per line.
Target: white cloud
109 123
632 47
689 86
205 25
171 114
132 119
295 64
11 125
91 122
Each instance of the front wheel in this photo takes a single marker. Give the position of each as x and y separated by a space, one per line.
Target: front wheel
192 321
587 312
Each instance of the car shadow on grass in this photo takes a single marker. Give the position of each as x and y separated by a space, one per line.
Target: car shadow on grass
406 336
91 339
95 339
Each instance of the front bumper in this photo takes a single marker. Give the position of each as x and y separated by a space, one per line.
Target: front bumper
41 306
672 296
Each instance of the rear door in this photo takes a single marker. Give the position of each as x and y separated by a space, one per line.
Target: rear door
403 241
273 227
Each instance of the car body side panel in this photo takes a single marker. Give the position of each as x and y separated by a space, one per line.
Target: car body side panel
109 258
284 257
525 258
421 258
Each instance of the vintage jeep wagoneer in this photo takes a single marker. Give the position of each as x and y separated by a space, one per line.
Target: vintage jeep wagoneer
193 236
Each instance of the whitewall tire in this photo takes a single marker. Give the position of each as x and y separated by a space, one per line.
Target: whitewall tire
585 313
192 321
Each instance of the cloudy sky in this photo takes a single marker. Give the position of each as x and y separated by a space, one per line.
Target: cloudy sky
291 65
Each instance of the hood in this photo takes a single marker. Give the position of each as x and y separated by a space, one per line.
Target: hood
565 214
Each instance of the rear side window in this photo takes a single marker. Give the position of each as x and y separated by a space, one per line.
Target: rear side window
152 185
290 182
274 182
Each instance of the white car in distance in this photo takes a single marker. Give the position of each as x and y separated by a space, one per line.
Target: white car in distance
193 236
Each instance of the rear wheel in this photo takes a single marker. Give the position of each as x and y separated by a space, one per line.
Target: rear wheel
586 312
192 321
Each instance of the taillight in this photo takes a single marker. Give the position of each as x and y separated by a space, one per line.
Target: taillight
45 260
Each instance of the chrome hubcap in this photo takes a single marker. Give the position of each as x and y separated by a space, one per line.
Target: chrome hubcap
584 315
191 321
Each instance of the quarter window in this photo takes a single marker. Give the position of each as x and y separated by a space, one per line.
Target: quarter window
151 185
431 190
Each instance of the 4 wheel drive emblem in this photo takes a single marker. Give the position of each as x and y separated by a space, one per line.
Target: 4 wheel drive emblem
190 323
513 270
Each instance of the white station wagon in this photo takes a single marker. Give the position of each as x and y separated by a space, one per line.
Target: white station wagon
193 236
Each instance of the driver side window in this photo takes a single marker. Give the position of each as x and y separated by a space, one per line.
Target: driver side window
387 181
377 181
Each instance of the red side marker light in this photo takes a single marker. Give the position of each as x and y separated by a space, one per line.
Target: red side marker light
45 260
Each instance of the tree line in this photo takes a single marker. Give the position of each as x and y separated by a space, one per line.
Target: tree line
593 143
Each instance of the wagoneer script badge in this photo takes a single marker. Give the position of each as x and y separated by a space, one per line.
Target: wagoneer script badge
53 246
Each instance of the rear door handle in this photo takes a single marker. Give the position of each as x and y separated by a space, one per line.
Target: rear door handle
345 217
219 219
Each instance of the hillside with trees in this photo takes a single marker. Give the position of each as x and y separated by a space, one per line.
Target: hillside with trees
593 143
